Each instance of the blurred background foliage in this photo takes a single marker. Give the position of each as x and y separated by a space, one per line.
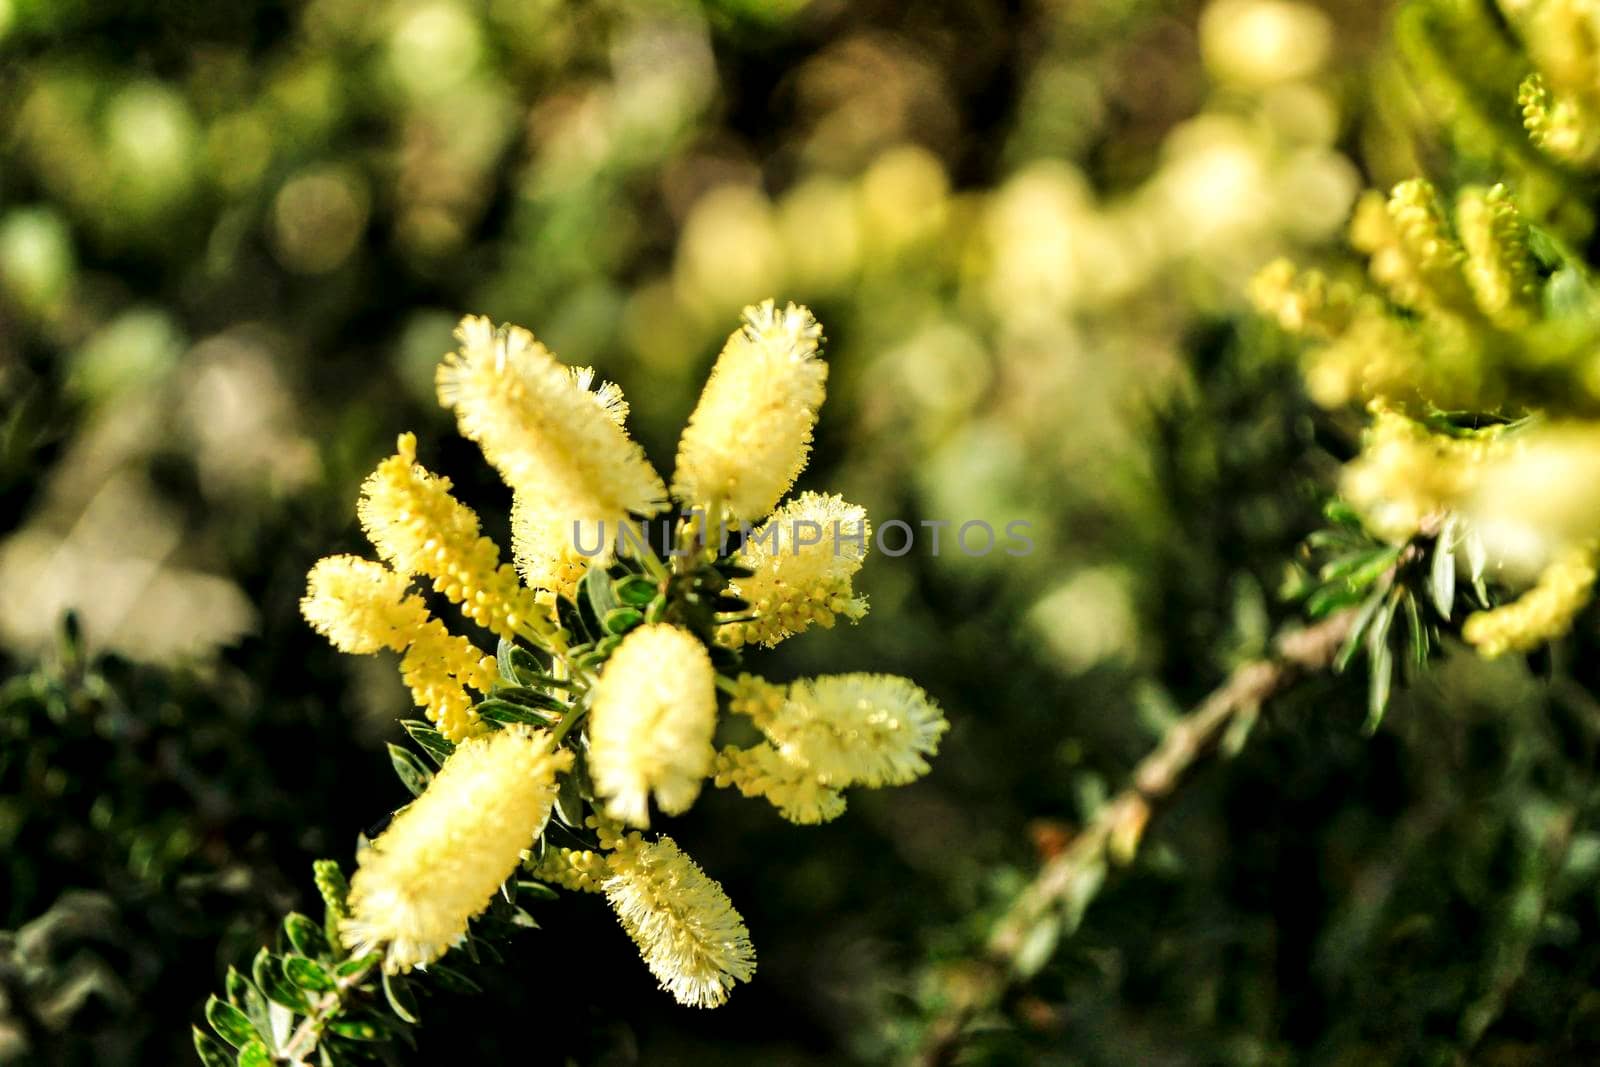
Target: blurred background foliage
233 242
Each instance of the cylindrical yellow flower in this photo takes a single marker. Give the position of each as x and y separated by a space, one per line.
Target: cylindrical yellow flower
797 793
414 522
361 606
858 729
650 725
546 549
686 928
804 558
557 444
443 858
1543 613
750 434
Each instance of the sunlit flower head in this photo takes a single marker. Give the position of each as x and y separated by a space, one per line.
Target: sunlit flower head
686 928
361 606
858 729
650 726
443 858
796 791
556 443
804 558
750 434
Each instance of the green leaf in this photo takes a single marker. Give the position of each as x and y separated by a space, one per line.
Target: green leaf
243 995
517 665
505 712
401 1000
621 620
1358 630
1360 569
413 773
357 964
1329 599
212 1052
569 803
537 890
358 1029
305 935
1421 643
571 621
268 973
528 697
452 980
307 974
255 1054
1338 511
598 592
1442 572
430 740
635 590
231 1024
1378 683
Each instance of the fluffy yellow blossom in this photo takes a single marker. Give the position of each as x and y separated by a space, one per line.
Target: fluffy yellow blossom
361 606
547 556
804 558
560 446
858 729
686 928
761 771
650 725
414 522
1407 476
1302 303
443 858
750 434
1541 614
757 698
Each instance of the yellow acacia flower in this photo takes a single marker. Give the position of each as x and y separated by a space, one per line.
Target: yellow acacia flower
414 522
437 668
750 434
557 444
443 858
1498 266
579 870
1406 475
361 606
1541 614
543 546
804 558
858 729
761 771
650 725
686 928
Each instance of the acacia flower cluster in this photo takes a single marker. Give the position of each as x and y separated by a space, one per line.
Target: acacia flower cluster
1472 350
612 670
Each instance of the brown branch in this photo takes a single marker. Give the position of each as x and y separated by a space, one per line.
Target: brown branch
1021 941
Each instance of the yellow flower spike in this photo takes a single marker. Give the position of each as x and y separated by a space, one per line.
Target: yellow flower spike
1543 613
687 930
361 606
445 856
757 698
579 870
436 668
1412 252
650 724
546 555
750 434
1302 303
560 446
797 585
858 729
1498 266
761 771
415 524
1406 475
